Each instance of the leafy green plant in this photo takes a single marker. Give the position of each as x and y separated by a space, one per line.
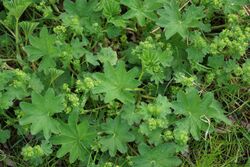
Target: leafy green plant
160 156
40 112
103 83
117 136
74 138
42 47
176 22
197 111
117 83
141 10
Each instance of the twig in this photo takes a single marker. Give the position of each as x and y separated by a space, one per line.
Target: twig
183 6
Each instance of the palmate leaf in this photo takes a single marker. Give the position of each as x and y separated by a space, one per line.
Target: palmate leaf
28 27
197 111
107 55
4 135
175 22
83 10
117 136
75 139
160 156
16 7
39 113
42 47
234 6
117 83
110 8
141 10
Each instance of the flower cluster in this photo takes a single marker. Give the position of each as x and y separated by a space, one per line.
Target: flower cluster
71 99
155 57
33 154
60 32
45 9
168 135
86 85
184 80
232 42
181 137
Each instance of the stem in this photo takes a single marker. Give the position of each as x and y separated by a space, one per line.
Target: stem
218 27
18 56
142 72
6 60
148 97
8 117
12 33
95 109
55 8
136 89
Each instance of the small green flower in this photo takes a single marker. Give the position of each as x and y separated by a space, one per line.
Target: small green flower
27 152
108 164
238 71
181 137
152 123
168 135
38 151
66 87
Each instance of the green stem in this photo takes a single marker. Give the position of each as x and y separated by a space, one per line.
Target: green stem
142 73
55 8
136 89
95 109
6 60
8 117
12 33
218 27
148 97
18 56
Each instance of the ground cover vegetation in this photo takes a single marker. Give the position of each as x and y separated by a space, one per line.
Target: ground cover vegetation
119 83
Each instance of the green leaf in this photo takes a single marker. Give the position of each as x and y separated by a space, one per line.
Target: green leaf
4 135
39 113
90 58
198 48
160 156
75 139
6 100
36 84
232 6
83 8
5 77
110 8
79 14
155 57
117 83
107 55
28 27
16 7
42 47
155 137
47 147
130 114
141 10
53 73
216 61
162 106
117 136
195 54
175 22
198 111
